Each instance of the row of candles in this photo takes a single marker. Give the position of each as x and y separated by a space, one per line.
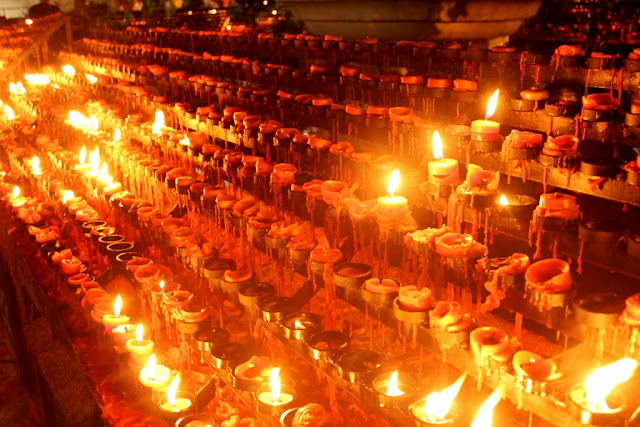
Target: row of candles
391 201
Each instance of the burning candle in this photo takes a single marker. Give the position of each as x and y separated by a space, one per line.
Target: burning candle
515 206
485 414
35 166
9 112
176 404
139 349
16 200
392 210
275 398
110 321
487 130
392 389
442 171
435 409
595 402
82 165
154 376
69 70
158 123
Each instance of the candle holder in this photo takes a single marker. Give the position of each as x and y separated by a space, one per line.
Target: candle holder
323 345
230 354
535 375
266 405
194 420
231 286
422 419
578 407
350 275
172 414
250 294
607 167
210 339
406 385
273 309
378 298
407 316
213 271
299 326
356 365
515 206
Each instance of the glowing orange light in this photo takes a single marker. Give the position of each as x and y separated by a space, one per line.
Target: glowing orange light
274 380
28 21
392 387
485 414
9 112
394 182
158 124
117 307
140 334
438 404
35 165
173 389
504 201
68 69
437 146
492 104
92 79
16 191
603 380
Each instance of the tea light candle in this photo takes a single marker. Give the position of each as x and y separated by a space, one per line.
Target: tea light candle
275 399
175 403
110 321
16 200
154 376
435 409
515 206
392 389
442 171
82 166
486 129
391 201
123 333
139 349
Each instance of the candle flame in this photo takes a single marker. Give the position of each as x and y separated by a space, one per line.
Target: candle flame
92 79
438 404
158 124
28 21
492 104
152 362
140 334
68 195
117 306
485 414
394 182
16 191
82 157
274 379
13 88
161 285
104 176
504 201
78 120
173 389
9 112
37 79
116 135
94 161
298 325
35 165
94 122
392 387
185 141
68 69
603 380
437 146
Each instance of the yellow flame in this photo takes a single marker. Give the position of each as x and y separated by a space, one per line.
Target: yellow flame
16 191
9 112
94 161
78 120
68 69
68 195
492 104
504 201
35 165
229 27
158 124
298 325
392 387
485 414
92 79
213 11
37 79
161 285
394 182
140 334
28 21
185 141
274 12
274 379
104 176
94 122
173 389
152 362
117 306
21 88
116 135
82 157
13 88
438 404
437 146
603 380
